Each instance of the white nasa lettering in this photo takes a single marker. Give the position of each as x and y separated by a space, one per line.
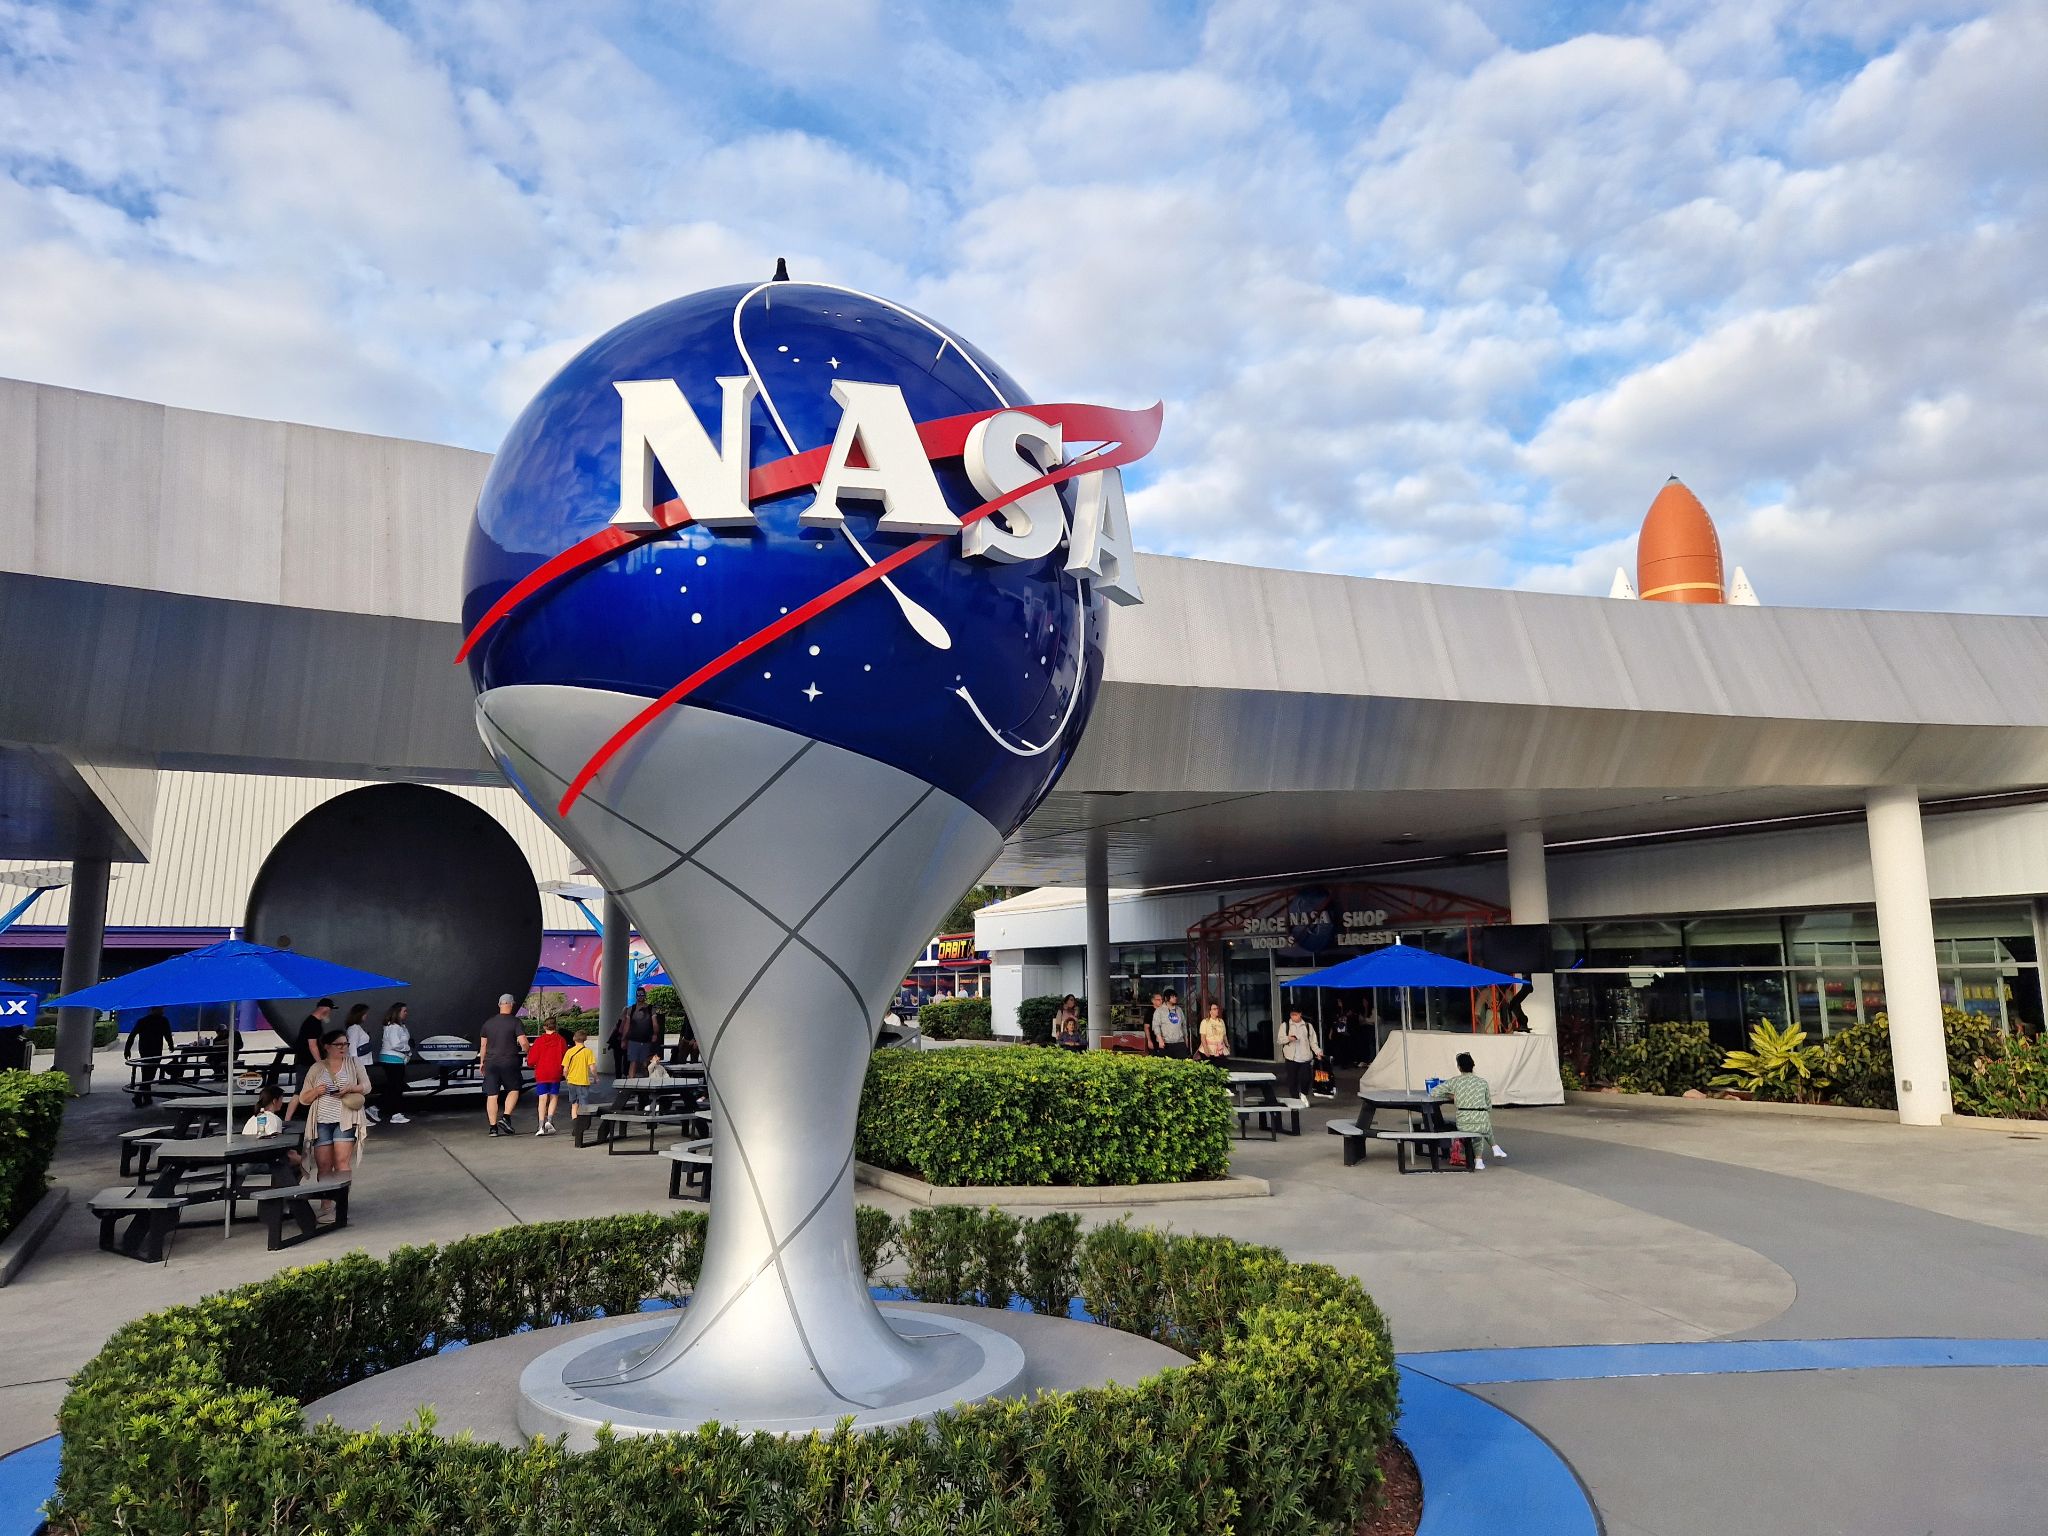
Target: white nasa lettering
656 424
897 473
1009 449
1101 548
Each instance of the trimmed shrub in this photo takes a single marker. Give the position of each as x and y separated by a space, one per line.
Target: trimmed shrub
31 1114
44 1036
1044 1117
1035 1017
2009 1080
191 1420
1989 1073
1046 1261
1664 1058
957 1018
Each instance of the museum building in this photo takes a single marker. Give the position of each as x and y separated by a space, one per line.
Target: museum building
1718 810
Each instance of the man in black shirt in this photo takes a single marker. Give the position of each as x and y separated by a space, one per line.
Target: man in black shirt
306 1049
151 1040
501 1059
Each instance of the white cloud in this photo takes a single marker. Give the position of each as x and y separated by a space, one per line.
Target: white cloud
1437 291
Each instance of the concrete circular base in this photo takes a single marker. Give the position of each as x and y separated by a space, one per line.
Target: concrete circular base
567 1391
471 1391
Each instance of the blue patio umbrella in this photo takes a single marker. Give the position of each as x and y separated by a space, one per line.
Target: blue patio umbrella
1403 965
548 976
228 972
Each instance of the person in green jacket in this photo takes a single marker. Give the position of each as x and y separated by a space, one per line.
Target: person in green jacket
1475 1104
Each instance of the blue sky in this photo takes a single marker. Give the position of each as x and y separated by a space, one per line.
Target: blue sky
1439 291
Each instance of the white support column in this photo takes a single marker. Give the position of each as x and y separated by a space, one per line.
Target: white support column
1905 933
1097 990
1529 902
85 935
614 968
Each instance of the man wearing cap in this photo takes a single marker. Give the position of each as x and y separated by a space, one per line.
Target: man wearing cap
501 1058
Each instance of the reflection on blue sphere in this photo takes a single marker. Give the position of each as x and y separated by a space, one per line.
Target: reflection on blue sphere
990 717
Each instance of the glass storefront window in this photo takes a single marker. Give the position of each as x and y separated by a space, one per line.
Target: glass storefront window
1729 941
1832 938
1633 944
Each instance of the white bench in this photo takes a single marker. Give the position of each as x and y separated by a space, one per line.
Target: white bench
1436 1143
689 1169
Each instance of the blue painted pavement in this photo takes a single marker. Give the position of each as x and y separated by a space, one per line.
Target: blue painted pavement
1719 1357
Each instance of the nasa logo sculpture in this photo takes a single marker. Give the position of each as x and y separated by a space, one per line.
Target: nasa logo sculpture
784 608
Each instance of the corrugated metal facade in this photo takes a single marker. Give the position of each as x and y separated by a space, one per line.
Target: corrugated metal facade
213 831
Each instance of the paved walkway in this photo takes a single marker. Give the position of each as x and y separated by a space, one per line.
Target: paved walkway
1609 1225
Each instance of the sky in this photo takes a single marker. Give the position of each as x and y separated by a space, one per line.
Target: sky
1440 291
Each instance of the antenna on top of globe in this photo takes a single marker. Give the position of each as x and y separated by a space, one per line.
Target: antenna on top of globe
781 271
765 763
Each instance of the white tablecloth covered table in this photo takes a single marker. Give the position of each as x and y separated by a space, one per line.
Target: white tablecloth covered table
1520 1069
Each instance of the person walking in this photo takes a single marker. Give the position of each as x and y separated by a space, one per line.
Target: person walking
501 1059
1215 1042
579 1072
545 1056
1474 1098
616 1043
642 1034
1171 1026
394 1055
306 1046
360 1046
1299 1048
151 1039
333 1095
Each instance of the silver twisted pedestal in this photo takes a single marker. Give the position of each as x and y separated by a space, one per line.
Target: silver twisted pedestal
787 884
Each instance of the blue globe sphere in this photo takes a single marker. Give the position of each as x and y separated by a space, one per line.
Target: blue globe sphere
975 676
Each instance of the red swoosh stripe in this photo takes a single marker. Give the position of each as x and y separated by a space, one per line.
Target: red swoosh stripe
1132 432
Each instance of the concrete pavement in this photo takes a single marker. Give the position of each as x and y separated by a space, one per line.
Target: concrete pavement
1608 1225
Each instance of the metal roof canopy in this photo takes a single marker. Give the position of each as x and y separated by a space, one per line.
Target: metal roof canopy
168 576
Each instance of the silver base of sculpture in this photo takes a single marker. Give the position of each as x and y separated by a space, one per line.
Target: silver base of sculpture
577 1387
787 885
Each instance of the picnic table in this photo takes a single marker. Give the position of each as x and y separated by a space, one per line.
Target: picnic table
1432 1127
1258 1105
199 1114
634 1091
179 1162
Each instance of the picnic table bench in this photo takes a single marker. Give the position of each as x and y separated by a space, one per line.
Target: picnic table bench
622 1122
139 1145
689 1169
294 1202
1358 1133
152 1219
1436 1144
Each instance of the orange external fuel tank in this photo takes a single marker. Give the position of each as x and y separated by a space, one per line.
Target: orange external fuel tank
1678 553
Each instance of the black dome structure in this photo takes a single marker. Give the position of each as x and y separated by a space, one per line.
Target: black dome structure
408 881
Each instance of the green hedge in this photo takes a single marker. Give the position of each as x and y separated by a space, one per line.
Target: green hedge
957 1018
1663 1058
31 1114
104 1033
1035 1017
1016 1116
190 1419
1990 1073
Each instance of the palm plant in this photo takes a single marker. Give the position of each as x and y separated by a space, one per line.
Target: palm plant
1778 1065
